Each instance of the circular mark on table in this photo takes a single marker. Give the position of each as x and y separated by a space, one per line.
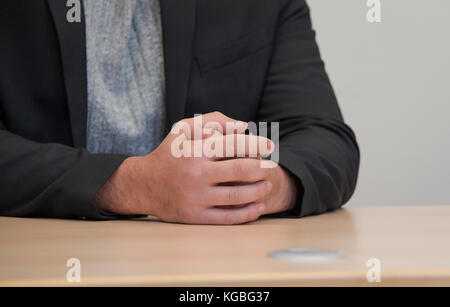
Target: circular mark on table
306 255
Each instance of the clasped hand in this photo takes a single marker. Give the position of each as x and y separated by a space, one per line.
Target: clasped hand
226 188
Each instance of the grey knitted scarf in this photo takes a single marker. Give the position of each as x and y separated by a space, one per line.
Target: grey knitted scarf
125 67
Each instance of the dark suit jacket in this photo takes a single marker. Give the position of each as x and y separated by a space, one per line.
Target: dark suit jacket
253 60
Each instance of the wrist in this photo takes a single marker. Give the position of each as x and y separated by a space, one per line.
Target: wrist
292 194
285 196
116 195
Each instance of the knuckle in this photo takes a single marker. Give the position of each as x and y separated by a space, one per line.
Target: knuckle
185 124
217 113
238 168
179 126
184 121
233 195
194 172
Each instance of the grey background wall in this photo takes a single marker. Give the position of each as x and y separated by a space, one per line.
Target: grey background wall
392 80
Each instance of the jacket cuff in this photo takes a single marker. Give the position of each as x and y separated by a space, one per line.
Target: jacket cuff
293 163
83 182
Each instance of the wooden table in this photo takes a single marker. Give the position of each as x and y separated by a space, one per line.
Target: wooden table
412 244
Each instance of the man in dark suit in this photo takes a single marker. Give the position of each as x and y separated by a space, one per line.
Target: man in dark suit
85 102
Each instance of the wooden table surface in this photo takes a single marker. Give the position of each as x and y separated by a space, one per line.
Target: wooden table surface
412 244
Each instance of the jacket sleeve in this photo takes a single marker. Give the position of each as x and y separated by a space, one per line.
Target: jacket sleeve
315 144
50 180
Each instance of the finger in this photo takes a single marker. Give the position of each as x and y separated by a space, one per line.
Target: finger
224 124
239 194
191 130
237 170
232 216
236 146
204 126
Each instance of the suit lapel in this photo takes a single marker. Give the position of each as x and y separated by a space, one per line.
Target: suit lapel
178 20
72 39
